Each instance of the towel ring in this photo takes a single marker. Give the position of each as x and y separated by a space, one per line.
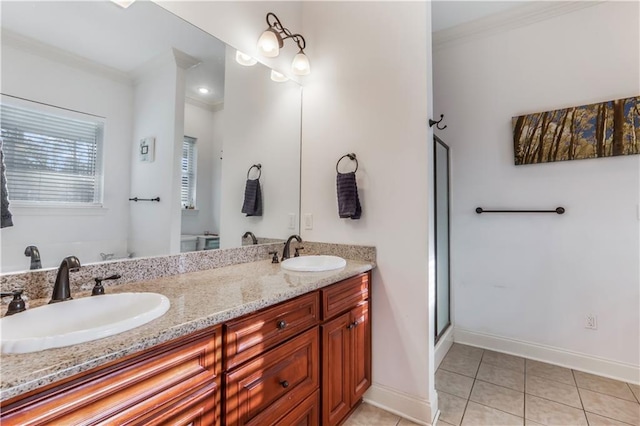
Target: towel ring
257 166
352 157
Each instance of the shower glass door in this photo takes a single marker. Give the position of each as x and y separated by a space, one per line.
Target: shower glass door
441 190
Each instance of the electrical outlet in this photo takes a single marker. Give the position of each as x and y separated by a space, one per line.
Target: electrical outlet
591 322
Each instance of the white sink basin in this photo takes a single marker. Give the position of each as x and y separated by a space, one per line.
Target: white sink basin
313 263
79 320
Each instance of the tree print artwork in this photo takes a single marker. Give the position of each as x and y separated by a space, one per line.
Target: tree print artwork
606 129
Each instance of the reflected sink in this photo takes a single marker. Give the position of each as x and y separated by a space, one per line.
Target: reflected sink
79 320
313 263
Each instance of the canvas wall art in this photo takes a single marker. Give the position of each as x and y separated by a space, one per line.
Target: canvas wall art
606 129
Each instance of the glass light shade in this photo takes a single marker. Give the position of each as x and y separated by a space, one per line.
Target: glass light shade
300 65
278 77
269 44
123 3
244 59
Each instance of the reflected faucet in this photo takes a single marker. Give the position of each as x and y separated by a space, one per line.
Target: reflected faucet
34 253
253 237
285 252
61 289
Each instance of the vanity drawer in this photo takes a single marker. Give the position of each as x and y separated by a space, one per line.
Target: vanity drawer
252 335
129 390
343 296
305 414
266 388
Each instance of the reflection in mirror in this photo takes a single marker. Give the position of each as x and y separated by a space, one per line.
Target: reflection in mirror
108 104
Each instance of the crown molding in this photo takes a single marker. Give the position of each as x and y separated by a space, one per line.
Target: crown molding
170 57
520 16
213 107
46 51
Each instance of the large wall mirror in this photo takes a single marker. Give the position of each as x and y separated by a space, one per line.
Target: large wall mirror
102 104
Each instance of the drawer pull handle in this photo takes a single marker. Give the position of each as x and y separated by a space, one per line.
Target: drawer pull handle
284 384
282 324
353 325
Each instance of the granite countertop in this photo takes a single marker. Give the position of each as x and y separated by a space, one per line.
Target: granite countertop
198 300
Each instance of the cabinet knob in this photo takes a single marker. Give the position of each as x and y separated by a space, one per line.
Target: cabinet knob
350 326
282 324
284 384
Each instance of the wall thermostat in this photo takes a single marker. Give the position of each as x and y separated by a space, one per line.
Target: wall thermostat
147 149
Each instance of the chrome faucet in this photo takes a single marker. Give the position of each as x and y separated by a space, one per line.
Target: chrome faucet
254 240
61 289
285 252
34 253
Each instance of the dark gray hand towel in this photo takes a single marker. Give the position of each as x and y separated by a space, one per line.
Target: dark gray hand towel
252 205
6 219
348 201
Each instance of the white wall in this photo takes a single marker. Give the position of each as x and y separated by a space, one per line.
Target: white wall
54 80
368 93
534 278
204 124
261 126
159 113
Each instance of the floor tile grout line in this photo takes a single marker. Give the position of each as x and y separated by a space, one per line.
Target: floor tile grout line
524 397
501 386
637 397
607 417
497 409
608 394
573 374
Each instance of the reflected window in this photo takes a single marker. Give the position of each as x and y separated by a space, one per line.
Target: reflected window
52 155
188 183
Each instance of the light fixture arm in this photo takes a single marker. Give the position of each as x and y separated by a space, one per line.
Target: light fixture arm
275 23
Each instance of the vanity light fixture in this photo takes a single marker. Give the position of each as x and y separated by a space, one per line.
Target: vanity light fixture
278 77
272 39
123 3
204 90
244 59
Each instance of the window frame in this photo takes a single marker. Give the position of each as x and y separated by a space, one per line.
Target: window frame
192 175
70 114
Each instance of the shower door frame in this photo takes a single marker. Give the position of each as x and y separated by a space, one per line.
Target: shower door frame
436 141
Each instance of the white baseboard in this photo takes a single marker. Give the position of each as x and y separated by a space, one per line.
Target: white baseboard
399 403
443 346
552 355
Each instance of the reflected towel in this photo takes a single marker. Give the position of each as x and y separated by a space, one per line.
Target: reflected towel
6 219
252 205
348 201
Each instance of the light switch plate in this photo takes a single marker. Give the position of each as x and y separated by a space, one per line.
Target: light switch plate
146 150
308 221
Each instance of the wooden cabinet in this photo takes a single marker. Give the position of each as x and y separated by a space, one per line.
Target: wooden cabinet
272 364
251 335
280 368
176 382
346 348
264 389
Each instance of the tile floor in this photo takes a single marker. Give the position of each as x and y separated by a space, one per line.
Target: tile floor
368 415
482 387
486 388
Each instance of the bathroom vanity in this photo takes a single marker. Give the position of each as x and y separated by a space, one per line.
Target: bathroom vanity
271 347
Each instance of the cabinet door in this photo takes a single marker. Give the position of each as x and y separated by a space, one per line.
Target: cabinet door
305 414
360 351
336 339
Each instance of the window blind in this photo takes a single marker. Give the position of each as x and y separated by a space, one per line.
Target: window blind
50 157
188 183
